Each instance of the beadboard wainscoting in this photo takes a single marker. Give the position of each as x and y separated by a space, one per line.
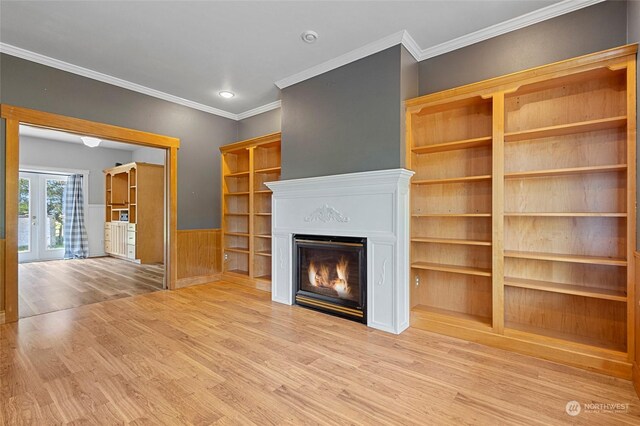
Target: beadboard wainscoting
95 229
2 287
198 256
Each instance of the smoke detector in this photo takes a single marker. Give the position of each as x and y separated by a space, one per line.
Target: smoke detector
309 36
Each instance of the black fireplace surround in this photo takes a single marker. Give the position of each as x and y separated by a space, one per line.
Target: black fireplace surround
330 275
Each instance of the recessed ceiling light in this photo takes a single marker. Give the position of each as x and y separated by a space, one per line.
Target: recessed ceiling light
90 142
226 94
309 36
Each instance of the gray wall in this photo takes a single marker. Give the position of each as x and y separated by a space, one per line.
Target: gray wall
44 153
261 124
149 155
346 120
36 86
588 30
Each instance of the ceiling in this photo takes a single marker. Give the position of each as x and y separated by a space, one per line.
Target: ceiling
192 50
55 135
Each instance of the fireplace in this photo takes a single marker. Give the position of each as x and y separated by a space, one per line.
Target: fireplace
372 205
330 275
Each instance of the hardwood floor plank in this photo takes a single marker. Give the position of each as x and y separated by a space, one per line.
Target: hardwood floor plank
62 284
225 354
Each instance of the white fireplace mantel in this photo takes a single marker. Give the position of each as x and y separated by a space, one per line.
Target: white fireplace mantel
373 205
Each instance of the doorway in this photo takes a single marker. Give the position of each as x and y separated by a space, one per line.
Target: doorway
15 117
68 213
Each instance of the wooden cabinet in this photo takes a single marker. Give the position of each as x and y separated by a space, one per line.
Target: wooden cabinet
523 211
246 209
134 229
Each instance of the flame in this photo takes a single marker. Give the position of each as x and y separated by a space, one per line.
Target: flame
341 284
312 274
320 275
342 269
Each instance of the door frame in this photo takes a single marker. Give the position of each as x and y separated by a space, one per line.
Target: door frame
14 116
44 170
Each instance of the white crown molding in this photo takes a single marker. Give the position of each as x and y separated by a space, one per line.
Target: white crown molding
347 58
95 75
411 45
259 110
521 21
404 38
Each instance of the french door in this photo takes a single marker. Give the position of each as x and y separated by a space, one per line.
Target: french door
40 216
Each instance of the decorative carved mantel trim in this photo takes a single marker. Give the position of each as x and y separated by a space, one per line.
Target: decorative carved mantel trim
326 214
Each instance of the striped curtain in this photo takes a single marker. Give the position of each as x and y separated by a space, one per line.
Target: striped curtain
76 243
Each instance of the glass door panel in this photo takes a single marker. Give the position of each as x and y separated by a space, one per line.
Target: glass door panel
52 226
27 217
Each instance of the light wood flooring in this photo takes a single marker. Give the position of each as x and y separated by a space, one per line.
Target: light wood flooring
62 284
225 354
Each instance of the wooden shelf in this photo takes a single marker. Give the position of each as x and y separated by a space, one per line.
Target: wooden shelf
238 272
237 174
576 290
455 269
452 180
237 250
566 171
430 313
562 214
268 170
567 129
554 205
452 215
259 159
137 189
571 258
450 241
452 146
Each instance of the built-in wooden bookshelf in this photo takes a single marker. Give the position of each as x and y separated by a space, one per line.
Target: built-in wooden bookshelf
246 208
134 225
523 211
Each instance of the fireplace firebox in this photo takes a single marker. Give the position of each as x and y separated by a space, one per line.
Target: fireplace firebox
331 275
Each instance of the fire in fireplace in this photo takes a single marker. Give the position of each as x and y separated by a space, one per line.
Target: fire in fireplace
330 274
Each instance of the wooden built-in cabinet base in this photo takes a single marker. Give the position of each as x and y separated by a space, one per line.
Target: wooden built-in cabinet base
264 285
574 354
